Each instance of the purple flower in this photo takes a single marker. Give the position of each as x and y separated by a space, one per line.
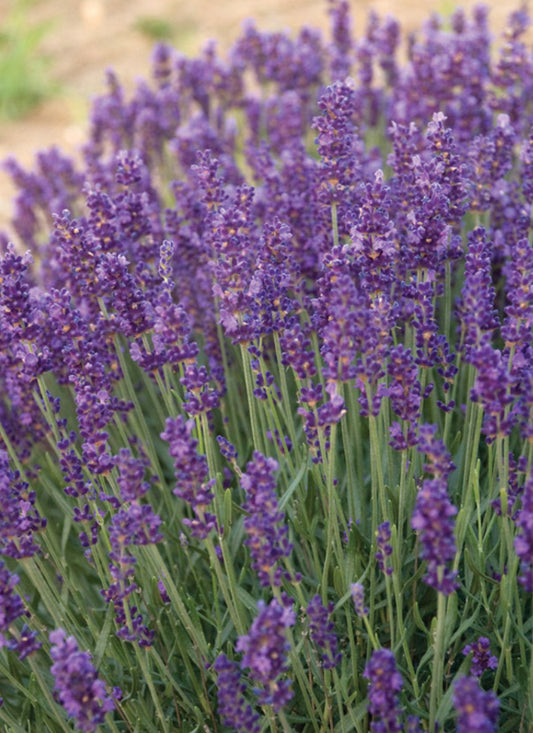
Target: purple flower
166 253
265 650
492 391
80 691
384 550
267 535
481 656
516 328
131 475
524 541
490 160
526 158
163 591
227 449
338 144
404 389
26 643
477 710
191 470
134 524
374 239
358 598
322 631
475 310
296 350
384 684
342 46
11 606
19 519
438 458
200 397
235 712
432 519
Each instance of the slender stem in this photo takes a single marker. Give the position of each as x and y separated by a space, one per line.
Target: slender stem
438 660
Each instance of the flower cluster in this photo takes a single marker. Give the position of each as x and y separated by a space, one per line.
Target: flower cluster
265 650
11 605
322 631
267 536
234 710
524 541
433 514
191 473
482 659
476 710
384 685
81 692
19 518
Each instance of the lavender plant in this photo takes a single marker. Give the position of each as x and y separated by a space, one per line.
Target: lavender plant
266 372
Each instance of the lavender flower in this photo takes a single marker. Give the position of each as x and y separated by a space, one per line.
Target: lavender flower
322 631
342 46
265 650
384 684
516 328
482 659
432 518
81 692
404 390
191 473
477 710
358 597
384 551
492 391
524 541
433 514
267 536
11 605
26 643
19 518
338 144
476 311
235 712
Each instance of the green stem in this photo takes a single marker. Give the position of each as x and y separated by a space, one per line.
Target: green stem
438 661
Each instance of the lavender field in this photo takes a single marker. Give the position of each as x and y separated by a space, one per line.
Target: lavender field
266 392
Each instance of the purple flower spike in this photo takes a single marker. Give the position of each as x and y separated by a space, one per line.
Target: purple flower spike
477 710
342 46
384 684
524 541
265 652
267 537
338 143
191 470
11 606
432 518
27 643
322 632
233 708
384 551
481 656
358 597
81 692
19 518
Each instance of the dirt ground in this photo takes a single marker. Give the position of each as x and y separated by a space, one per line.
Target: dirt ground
87 36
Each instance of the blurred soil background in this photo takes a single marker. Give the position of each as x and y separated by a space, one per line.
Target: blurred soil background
54 53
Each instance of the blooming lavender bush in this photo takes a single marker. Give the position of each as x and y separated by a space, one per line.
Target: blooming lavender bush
266 408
